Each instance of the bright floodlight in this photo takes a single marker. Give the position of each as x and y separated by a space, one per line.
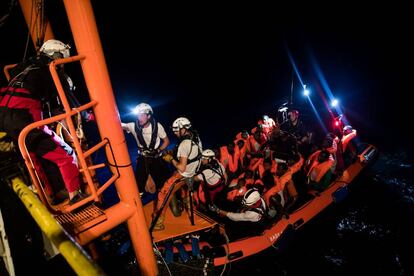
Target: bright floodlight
306 91
334 103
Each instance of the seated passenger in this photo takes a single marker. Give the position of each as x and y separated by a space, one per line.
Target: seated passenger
256 140
332 143
267 123
349 148
248 176
320 166
283 145
242 135
244 152
266 172
229 158
277 195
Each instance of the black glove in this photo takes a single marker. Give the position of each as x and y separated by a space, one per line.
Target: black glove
213 208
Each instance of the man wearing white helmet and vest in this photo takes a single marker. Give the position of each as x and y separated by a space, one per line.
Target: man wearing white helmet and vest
185 159
30 88
151 140
248 220
212 176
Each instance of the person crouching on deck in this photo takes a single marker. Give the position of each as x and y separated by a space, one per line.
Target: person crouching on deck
249 220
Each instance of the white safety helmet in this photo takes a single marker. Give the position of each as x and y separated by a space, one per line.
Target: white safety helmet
143 108
180 123
251 197
208 154
55 49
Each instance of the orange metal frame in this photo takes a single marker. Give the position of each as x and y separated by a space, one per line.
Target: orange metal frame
91 57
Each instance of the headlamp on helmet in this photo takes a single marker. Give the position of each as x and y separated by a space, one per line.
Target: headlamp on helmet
143 108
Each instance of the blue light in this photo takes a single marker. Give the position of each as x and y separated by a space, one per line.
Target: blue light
334 103
306 91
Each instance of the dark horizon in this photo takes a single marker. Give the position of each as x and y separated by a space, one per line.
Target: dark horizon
224 69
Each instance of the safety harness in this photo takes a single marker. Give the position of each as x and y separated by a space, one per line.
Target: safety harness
215 167
147 150
15 86
195 141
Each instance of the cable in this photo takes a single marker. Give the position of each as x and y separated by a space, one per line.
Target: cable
157 252
118 166
189 266
28 34
227 253
112 152
8 13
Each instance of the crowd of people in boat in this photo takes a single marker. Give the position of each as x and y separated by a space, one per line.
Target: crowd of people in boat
246 180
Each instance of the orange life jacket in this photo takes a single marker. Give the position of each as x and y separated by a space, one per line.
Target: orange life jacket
254 164
254 145
244 150
318 170
234 193
310 160
287 176
213 190
347 138
230 162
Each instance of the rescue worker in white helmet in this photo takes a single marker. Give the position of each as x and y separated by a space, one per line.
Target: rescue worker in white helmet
151 139
22 102
185 159
249 219
212 177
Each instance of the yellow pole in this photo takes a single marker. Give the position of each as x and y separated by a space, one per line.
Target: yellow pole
77 258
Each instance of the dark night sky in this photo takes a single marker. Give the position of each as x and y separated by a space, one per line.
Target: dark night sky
223 67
